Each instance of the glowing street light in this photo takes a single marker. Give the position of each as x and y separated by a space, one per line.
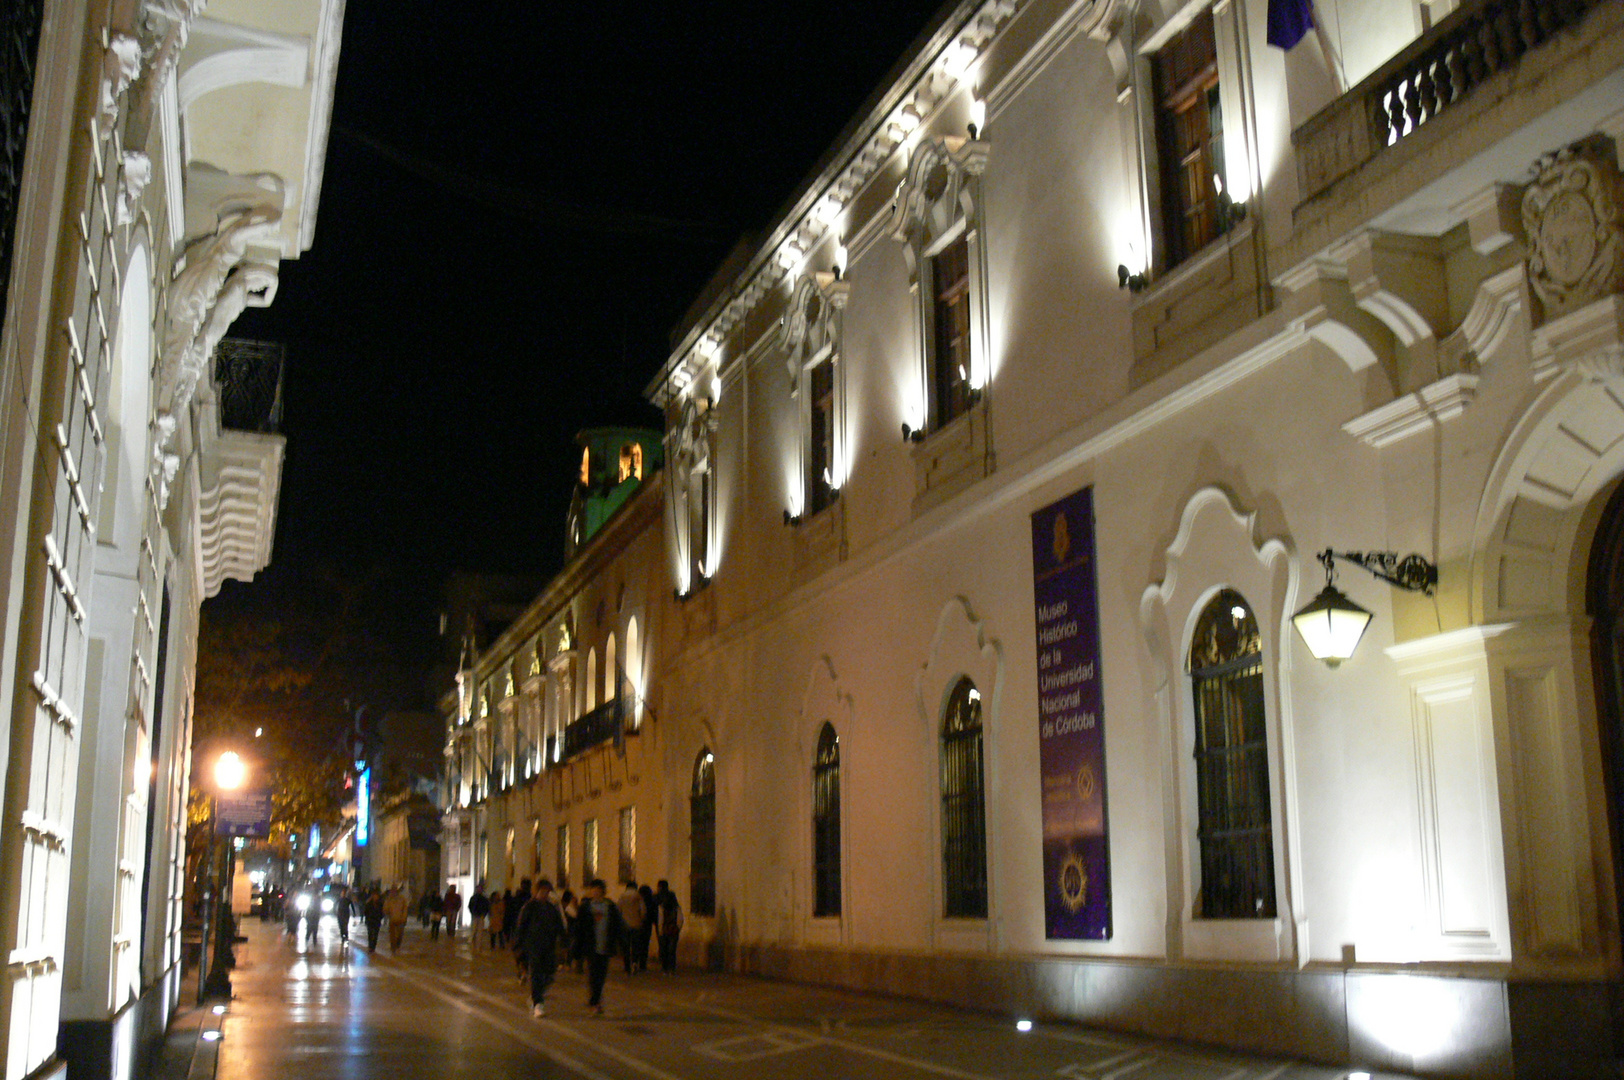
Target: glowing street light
230 771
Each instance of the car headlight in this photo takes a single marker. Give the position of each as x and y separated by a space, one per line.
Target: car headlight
327 903
302 901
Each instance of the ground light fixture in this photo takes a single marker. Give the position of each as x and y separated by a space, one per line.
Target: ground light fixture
1331 624
212 1035
1023 1025
219 1010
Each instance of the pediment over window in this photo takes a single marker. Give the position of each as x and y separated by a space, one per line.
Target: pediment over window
812 327
936 194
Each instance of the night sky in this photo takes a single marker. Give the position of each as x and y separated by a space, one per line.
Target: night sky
520 202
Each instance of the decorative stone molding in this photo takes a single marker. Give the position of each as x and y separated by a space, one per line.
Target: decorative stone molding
1495 311
134 173
813 325
1414 413
165 27
1573 213
933 78
215 281
936 193
1217 545
121 65
241 477
1588 342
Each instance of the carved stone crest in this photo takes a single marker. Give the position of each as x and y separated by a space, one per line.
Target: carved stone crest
1573 213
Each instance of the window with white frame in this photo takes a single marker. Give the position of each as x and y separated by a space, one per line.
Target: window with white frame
812 333
937 217
1197 175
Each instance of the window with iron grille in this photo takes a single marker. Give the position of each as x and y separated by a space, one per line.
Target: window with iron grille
628 843
820 457
950 271
702 838
1234 826
826 824
589 851
964 824
1190 140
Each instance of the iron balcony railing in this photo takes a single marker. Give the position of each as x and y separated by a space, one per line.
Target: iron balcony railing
1436 72
603 724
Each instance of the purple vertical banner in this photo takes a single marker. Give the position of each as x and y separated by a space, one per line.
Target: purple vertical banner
1071 722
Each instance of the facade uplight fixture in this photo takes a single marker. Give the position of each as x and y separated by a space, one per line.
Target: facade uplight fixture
1331 625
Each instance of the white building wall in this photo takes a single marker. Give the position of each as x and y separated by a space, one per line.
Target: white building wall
1359 367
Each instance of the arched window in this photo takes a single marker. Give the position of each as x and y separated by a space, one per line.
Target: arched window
633 665
826 824
611 672
964 821
1233 825
702 838
591 680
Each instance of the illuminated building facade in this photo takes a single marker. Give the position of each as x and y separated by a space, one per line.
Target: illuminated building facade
554 749
1182 297
140 213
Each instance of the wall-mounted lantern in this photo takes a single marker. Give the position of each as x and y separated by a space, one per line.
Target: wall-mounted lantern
1331 624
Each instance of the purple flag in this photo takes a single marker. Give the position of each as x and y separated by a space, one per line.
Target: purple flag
1289 21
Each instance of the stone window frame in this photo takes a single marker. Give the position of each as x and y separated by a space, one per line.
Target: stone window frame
827 861
813 335
938 203
1216 547
1136 91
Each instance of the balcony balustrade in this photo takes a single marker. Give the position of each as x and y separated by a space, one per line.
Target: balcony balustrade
1436 72
603 724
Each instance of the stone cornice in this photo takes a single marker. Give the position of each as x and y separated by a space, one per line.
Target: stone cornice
921 83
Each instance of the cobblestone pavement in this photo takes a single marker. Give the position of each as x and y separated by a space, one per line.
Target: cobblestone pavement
445 1009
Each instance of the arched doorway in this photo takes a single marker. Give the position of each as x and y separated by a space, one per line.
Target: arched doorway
1604 603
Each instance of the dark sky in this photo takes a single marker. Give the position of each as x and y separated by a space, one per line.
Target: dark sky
520 202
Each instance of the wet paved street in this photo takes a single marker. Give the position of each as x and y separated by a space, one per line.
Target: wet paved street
447 1010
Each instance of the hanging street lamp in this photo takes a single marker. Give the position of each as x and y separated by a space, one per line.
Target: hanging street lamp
1331 625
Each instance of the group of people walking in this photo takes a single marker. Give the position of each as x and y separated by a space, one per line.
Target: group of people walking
374 905
593 930
543 931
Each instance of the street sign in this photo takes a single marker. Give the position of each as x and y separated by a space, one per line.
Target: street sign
245 813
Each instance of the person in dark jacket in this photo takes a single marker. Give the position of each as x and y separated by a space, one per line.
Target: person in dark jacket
670 926
372 914
451 906
535 940
645 932
343 909
599 931
479 909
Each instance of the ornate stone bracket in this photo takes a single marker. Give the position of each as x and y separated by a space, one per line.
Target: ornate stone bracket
217 277
1588 342
134 173
121 65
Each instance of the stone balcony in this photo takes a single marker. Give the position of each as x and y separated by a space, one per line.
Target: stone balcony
1474 101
